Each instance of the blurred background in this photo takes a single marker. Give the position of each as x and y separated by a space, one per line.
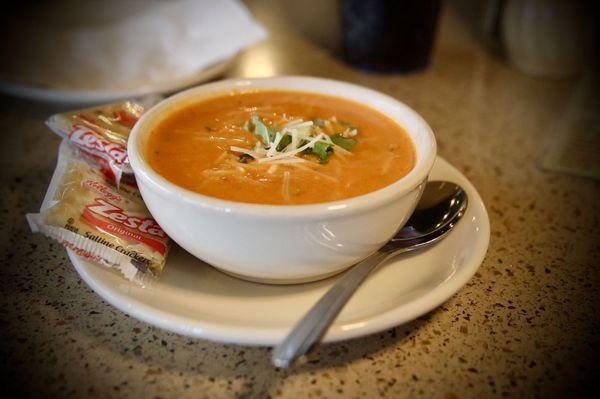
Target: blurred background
79 53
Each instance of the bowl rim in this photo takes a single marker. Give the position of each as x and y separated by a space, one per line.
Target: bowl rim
354 205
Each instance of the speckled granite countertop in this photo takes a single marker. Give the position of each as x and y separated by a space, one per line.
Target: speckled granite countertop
525 325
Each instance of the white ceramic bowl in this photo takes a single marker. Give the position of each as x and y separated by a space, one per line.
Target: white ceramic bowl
283 243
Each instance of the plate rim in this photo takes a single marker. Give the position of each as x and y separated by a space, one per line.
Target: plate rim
268 336
73 96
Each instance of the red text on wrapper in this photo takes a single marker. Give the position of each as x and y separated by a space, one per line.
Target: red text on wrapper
102 189
80 251
90 141
115 214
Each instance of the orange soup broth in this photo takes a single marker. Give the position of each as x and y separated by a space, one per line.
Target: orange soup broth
191 148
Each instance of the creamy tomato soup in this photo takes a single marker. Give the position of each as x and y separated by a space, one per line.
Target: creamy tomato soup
279 147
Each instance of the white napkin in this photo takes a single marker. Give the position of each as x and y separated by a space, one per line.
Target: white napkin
117 45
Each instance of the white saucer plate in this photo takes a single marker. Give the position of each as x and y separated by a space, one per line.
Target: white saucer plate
74 96
194 299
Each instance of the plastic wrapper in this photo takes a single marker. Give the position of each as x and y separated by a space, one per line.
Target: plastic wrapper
101 132
84 211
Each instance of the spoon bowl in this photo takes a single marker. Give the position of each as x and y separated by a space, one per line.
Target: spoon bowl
439 206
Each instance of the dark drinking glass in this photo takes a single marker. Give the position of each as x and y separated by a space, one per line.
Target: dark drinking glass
389 35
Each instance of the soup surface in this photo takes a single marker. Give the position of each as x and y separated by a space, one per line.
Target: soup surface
279 147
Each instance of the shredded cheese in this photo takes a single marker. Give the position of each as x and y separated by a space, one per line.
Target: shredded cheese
340 149
273 148
288 154
323 175
302 124
221 158
286 185
246 151
299 134
289 160
294 122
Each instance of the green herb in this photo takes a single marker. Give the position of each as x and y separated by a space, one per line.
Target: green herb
345 143
319 122
284 142
322 150
260 129
244 158
272 133
347 125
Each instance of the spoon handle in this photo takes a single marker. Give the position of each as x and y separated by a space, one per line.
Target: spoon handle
312 326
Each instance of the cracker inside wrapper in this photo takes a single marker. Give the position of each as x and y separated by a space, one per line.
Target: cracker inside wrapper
101 132
85 212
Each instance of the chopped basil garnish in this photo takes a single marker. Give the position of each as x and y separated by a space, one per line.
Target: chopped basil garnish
260 129
347 125
272 133
322 150
345 143
285 141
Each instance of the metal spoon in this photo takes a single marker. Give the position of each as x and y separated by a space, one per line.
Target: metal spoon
441 206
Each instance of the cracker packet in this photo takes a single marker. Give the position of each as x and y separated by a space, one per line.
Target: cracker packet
84 211
101 132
